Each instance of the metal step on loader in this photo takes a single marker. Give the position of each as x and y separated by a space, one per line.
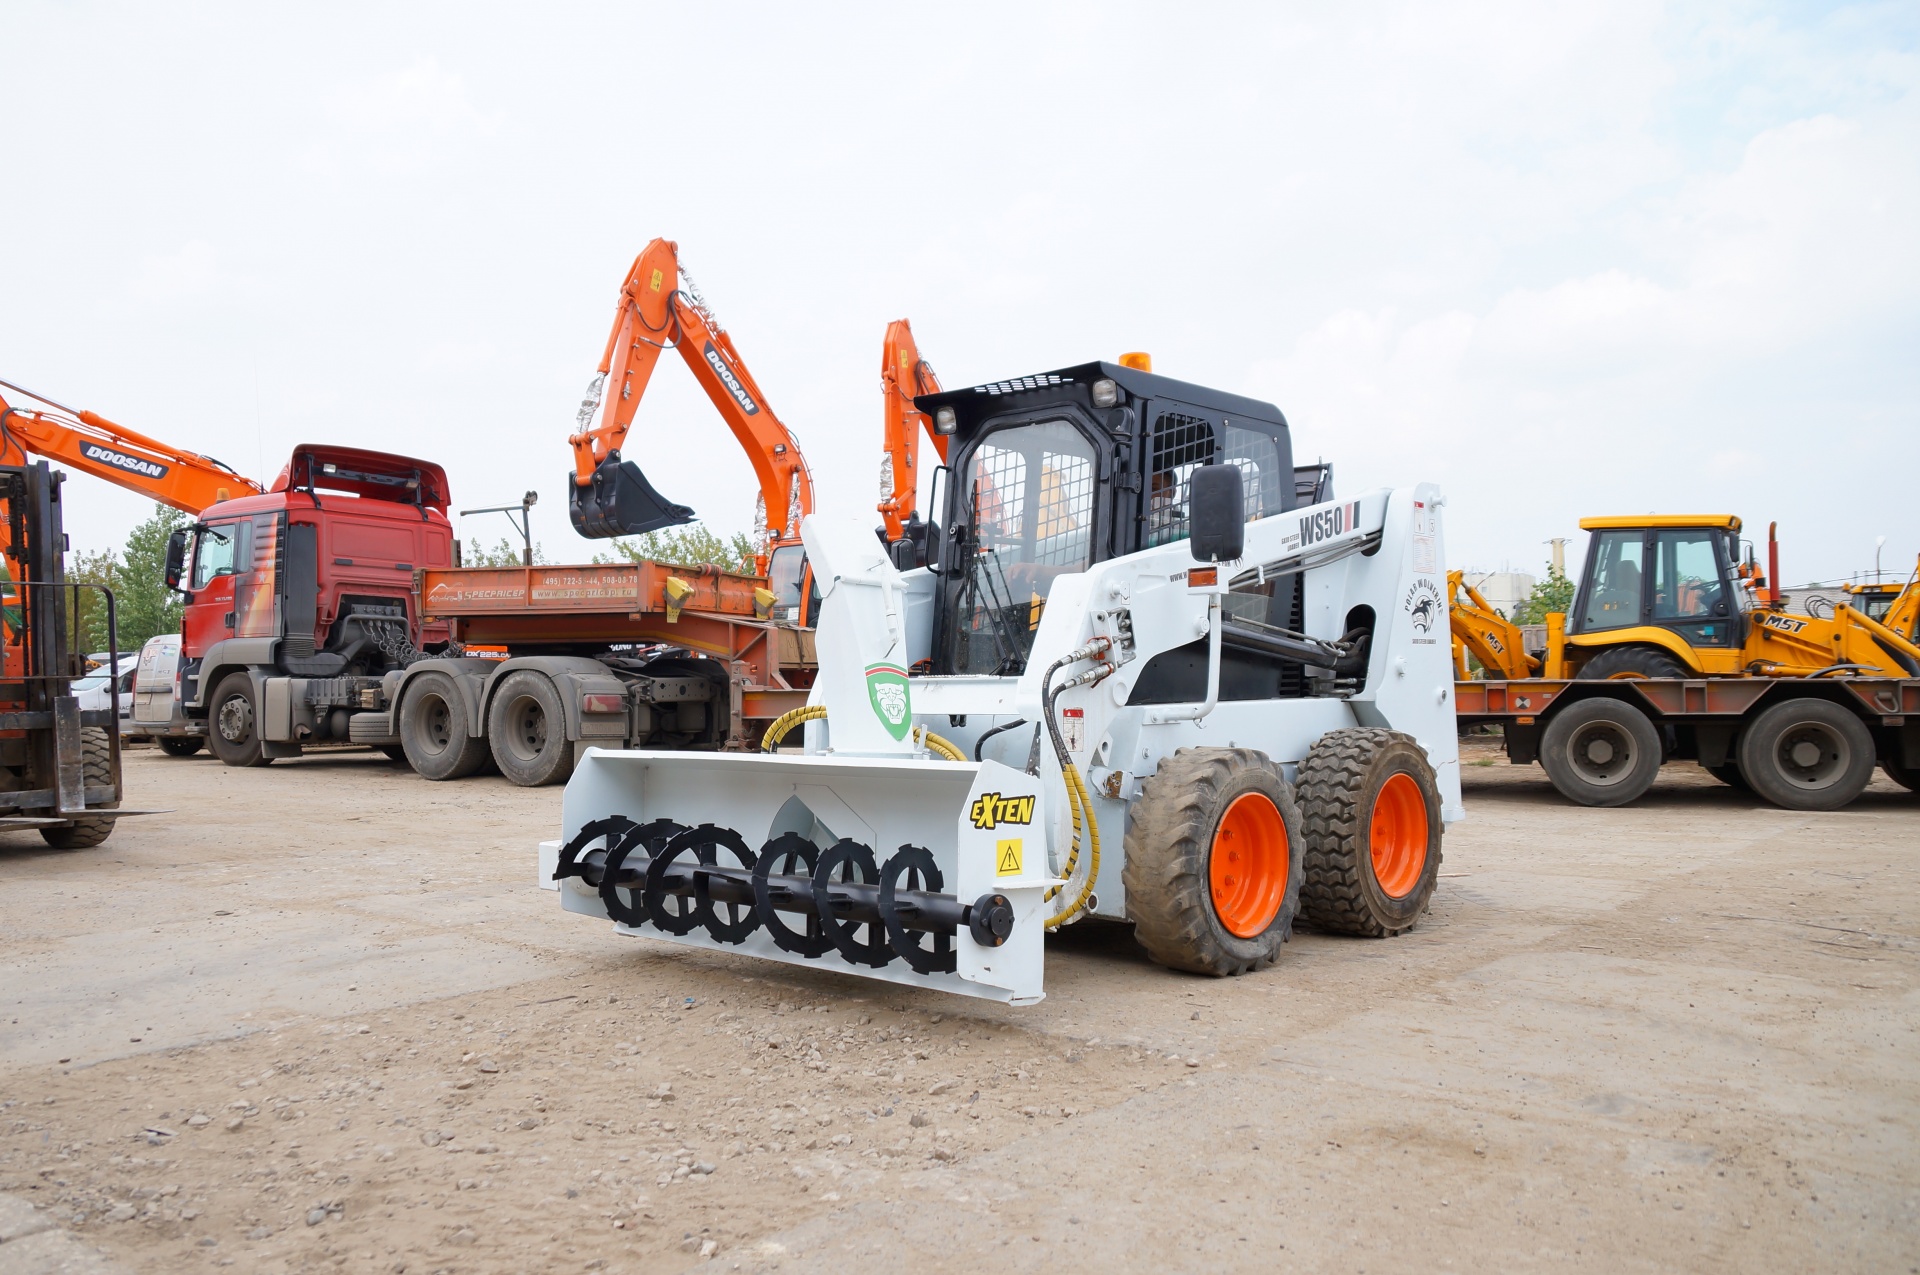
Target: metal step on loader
1135 682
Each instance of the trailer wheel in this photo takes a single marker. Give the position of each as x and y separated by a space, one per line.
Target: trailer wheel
1371 809
1213 867
233 723
1601 752
1905 776
1807 754
433 730
528 728
181 745
96 765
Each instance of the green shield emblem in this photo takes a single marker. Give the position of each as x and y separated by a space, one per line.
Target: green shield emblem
887 691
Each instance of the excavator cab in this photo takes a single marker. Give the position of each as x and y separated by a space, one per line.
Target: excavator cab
617 500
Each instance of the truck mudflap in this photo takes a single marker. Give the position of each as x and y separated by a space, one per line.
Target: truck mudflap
930 873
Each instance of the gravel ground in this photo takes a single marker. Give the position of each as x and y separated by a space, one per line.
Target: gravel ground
320 1018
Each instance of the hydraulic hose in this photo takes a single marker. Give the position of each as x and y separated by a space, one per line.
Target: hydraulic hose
946 748
1079 800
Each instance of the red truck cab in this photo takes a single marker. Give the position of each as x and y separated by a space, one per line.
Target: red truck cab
313 579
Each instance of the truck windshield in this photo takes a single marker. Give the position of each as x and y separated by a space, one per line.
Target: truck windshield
1030 494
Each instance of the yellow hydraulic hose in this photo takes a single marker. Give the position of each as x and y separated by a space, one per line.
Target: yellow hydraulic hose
818 713
1078 800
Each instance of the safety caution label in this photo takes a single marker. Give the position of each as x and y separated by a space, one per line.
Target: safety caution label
1006 856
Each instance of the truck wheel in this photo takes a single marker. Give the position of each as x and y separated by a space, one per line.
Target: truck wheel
1807 754
233 723
1632 661
1371 809
529 731
1212 865
96 764
1601 752
433 730
181 745
1904 776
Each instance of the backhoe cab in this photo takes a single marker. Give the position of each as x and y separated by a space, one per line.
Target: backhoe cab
1669 596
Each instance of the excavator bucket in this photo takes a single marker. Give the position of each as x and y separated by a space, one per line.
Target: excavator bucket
619 501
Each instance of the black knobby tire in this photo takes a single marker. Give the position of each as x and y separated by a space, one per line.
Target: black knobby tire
1807 754
233 723
1632 661
1728 773
181 745
1906 776
528 730
1172 835
433 730
1601 751
96 764
1347 783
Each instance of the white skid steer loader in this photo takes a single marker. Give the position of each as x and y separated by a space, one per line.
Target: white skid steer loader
1135 681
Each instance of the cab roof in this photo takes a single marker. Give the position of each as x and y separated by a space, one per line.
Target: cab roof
1628 522
375 475
978 402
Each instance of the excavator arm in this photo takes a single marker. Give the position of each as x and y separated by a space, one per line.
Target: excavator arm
610 496
903 375
1492 637
95 445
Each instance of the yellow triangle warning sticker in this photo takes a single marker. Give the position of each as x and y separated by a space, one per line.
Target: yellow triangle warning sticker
1006 857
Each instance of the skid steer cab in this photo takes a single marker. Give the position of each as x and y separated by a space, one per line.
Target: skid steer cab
1138 679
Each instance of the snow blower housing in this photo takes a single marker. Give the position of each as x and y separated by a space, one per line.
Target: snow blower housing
1127 666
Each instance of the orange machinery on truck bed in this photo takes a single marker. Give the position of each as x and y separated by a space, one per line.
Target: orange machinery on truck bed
1676 649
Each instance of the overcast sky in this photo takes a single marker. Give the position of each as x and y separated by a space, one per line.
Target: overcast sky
1564 259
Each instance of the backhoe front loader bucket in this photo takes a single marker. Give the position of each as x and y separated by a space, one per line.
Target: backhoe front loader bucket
619 501
904 869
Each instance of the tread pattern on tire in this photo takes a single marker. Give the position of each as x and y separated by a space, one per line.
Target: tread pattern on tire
96 767
1169 837
1333 793
1646 661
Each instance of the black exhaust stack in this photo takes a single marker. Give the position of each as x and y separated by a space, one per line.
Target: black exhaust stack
619 501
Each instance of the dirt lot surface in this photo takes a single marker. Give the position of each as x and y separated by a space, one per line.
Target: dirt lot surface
320 1018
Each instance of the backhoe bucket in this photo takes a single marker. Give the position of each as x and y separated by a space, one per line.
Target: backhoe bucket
619 501
928 873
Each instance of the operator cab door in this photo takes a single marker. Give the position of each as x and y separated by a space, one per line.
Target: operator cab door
1688 588
219 550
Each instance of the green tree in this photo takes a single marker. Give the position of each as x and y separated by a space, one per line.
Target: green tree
90 609
504 554
1555 593
146 607
691 545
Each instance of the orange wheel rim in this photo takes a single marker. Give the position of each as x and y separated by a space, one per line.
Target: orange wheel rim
1248 865
1399 836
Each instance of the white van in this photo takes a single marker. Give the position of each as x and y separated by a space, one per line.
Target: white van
156 702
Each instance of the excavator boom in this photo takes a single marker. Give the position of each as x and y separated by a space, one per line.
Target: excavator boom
610 496
126 458
903 376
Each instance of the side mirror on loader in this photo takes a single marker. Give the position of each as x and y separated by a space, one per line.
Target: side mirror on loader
1216 512
176 558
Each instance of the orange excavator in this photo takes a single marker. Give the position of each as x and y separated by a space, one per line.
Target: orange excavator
660 308
95 445
903 376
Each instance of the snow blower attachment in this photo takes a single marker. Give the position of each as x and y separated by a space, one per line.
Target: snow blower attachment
1142 662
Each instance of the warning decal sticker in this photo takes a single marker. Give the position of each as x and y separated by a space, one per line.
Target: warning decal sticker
1007 854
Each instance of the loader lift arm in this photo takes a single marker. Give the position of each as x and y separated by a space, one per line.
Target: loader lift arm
903 376
610 496
126 458
1479 628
